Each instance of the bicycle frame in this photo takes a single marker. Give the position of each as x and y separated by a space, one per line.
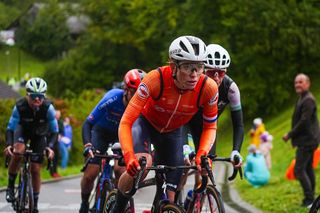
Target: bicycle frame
104 180
199 194
24 201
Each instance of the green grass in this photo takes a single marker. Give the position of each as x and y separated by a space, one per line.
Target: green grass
9 63
280 195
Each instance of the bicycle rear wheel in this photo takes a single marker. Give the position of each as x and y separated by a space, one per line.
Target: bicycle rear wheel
209 201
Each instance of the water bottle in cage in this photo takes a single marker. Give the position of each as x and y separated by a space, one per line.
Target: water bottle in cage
188 199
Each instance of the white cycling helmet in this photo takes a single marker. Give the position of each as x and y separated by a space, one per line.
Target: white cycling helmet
188 48
218 57
36 85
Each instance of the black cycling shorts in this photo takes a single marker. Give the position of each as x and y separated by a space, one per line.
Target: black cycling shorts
168 148
38 143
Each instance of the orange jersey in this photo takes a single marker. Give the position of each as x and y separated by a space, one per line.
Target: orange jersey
167 107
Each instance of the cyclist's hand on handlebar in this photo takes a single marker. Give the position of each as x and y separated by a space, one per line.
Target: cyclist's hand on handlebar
198 158
132 164
50 153
8 150
88 150
236 158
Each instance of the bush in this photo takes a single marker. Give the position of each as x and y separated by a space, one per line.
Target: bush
77 109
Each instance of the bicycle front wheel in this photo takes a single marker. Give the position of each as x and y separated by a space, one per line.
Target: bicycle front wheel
107 188
25 201
110 203
171 208
209 201
212 201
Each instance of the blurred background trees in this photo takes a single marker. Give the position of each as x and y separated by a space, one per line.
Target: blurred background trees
269 42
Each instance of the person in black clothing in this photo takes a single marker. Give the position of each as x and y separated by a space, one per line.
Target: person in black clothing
218 60
54 169
33 117
304 135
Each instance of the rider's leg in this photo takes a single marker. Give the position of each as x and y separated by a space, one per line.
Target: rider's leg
87 181
100 140
13 170
36 182
15 160
126 183
169 151
37 145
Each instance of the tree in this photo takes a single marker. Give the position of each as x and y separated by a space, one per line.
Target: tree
47 36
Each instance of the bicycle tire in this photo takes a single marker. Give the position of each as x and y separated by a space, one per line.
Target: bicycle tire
107 188
110 202
29 195
210 201
171 208
25 194
315 205
17 203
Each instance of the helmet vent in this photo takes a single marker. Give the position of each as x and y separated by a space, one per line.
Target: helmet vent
196 48
183 46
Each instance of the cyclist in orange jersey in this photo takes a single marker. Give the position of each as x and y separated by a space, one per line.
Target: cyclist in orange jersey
166 99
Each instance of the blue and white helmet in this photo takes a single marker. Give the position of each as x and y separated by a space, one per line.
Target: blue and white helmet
218 57
188 48
36 85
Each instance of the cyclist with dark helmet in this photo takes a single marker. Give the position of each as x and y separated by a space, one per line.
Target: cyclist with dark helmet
101 128
217 62
32 118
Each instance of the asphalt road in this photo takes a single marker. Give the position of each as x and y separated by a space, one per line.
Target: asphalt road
64 196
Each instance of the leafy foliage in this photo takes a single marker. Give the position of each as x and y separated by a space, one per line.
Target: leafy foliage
46 34
269 43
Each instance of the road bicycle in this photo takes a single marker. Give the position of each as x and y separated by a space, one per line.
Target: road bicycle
23 193
162 205
105 179
207 198
315 205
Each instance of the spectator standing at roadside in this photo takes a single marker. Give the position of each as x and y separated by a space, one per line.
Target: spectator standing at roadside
65 143
305 136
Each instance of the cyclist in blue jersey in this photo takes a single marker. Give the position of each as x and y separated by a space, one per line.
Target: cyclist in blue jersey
218 60
33 118
101 128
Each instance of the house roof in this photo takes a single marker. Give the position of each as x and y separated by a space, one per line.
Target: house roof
75 23
6 92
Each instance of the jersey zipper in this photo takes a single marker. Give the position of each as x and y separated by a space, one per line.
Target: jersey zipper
174 111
